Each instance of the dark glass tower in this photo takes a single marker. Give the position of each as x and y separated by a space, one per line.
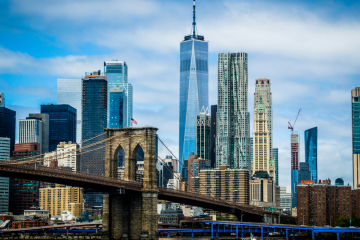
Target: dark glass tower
213 136
304 172
311 151
194 95
7 126
62 124
117 108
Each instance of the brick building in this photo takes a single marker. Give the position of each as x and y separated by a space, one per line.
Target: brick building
28 223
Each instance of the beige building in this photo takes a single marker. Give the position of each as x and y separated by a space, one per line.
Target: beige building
66 155
62 198
355 110
228 184
263 190
262 151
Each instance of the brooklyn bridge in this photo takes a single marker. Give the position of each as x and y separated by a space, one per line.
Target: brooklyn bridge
130 207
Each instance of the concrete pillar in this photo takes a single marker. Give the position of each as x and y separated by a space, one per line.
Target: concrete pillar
106 217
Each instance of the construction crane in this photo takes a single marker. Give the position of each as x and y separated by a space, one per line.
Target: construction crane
293 126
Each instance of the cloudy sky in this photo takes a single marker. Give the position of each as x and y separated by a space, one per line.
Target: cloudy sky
309 49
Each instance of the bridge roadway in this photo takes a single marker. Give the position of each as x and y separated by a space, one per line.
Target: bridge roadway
105 184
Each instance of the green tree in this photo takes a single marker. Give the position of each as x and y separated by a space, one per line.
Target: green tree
97 217
342 222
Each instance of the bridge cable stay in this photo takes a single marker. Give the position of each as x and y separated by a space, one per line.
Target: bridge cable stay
178 176
189 172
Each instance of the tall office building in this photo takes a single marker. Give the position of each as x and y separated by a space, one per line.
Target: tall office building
294 164
69 91
263 161
62 124
203 124
30 131
263 190
4 181
117 76
2 99
24 193
117 108
252 152
7 126
285 197
94 121
194 93
276 160
233 118
304 172
213 136
311 152
355 110
263 89
44 117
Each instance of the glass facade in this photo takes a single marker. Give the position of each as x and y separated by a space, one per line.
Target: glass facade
311 136
203 136
276 159
304 172
62 124
213 137
7 126
4 181
69 91
356 125
117 77
194 93
117 108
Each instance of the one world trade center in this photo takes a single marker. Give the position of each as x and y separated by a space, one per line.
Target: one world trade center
194 93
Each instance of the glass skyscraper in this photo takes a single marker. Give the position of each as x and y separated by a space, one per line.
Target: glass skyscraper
117 108
69 91
62 124
203 136
294 165
275 154
355 112
311 152
7 126
4 181
194 94
117 76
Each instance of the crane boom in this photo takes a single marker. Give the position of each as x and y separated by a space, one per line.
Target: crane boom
293 126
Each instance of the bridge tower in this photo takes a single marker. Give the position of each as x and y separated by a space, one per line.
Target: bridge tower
131 215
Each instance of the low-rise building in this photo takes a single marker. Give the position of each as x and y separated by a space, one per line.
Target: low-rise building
171 216
28 223
44 214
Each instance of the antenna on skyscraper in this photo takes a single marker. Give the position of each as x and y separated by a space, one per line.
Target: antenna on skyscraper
194 20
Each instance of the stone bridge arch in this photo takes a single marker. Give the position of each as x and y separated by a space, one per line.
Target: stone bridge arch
131 215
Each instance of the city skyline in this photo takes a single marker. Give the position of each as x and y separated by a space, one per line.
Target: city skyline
156 79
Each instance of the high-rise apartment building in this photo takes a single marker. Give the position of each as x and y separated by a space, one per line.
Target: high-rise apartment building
194 92
94 109
117 108
213 136
225 183
294 164
355 112
311 136
7 126
195 165
203 124
117 76
276 160
30 131
69 91
263 161
252 152
44 117
62 198
263 190
66 155
24 193
233 118
62 124
2 99
4 181
285 197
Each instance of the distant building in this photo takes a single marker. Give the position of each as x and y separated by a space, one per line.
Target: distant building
355 113
213 136
4 181
60 199
285 197
69 91
174 163
195 165
2 99
339 182
311 136
203 125
304 172
62 124
171 216
262 189
24 193
30 130
225 183
117 108
44 117
233 118
7 126
294 165
276 160
37 212
66 155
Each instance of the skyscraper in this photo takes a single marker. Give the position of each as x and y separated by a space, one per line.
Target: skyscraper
355 112
117 76
69 91
213 136
263 89
233 118
311 152
203 135
294 164
94 121
304 172
30 131
2 99
62 124
4 181
117 108
194 93
44 117
263 159
7 126
276 160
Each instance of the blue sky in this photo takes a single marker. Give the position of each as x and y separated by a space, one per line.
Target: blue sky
309 49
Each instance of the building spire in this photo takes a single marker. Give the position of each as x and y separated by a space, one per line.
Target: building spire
194 20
